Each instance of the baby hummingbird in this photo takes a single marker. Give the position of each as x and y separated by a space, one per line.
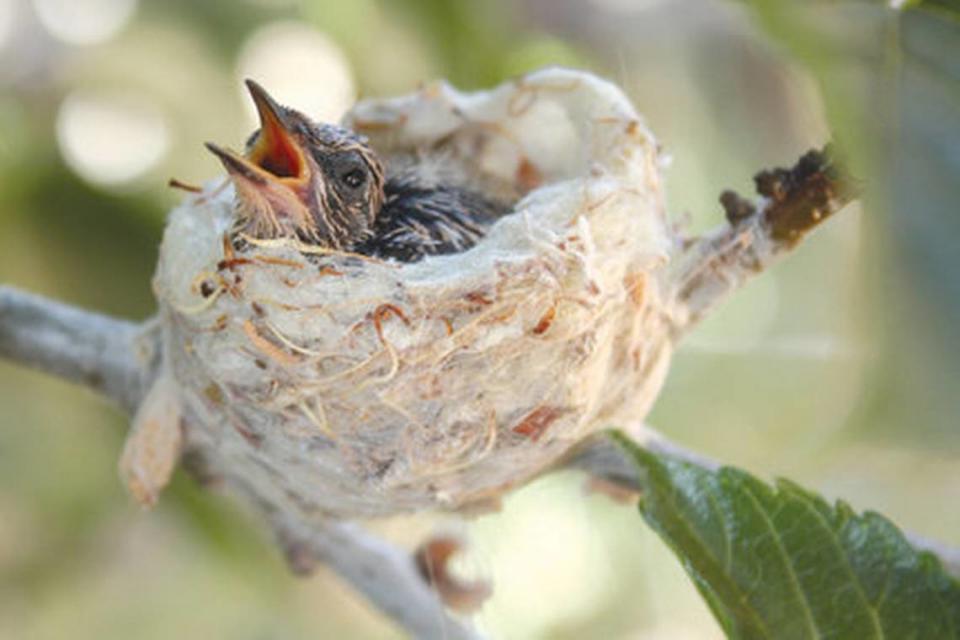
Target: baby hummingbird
325 185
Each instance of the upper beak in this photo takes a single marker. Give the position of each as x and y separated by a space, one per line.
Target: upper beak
275 155
276 150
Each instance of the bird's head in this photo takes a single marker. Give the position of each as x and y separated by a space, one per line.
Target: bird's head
298 178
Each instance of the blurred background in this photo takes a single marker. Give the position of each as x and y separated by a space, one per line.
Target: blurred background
839 369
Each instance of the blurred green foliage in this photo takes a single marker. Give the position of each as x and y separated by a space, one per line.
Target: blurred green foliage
891 84
839 369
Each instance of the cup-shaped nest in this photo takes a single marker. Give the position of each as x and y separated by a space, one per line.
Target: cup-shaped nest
343 385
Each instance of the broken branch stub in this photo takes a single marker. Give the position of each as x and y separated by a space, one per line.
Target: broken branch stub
791 202
802 197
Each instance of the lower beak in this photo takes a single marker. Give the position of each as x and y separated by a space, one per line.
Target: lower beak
268 205
239 167
276 149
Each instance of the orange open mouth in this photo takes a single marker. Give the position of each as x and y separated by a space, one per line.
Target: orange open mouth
276 155
275 150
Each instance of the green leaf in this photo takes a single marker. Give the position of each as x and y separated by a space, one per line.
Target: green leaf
780 562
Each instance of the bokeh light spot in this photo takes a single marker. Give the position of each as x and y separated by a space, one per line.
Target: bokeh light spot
111 139
8 18
627 6
549 567
84 21
301 68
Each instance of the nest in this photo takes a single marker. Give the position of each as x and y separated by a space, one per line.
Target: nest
341 385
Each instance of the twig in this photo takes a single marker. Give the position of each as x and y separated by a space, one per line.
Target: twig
791 203
602 458
91 349
433 562
388 577
102 353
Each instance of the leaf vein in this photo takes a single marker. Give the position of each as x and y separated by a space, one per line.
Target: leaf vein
854 579
787 562
727 545
694 533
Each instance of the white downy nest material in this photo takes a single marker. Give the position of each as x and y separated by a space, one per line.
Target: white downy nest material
340 385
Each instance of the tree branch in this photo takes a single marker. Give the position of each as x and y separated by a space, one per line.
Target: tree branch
602 458
91 349
388 577
117 358
757 234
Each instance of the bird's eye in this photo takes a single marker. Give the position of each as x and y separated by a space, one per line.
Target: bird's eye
354 178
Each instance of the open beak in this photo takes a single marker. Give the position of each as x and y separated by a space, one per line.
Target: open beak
272 180
275 150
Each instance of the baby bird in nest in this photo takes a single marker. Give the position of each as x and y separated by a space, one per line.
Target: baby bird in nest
324 185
